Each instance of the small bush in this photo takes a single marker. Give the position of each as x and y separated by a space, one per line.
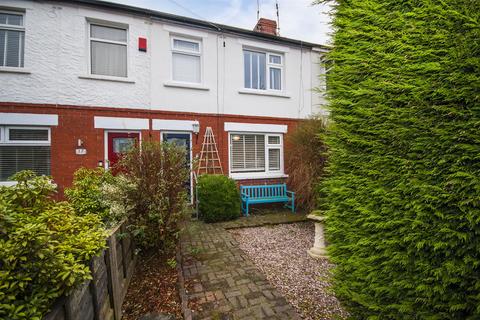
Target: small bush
115 195
306 162
44 247
219 198
153 192
86 194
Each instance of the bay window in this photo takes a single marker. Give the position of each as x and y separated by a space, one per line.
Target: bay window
186 60
12 39
256 153
24 148
262 70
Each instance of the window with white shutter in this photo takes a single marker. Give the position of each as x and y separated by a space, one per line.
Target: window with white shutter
108 50
12 39
186 60
24 148
256 153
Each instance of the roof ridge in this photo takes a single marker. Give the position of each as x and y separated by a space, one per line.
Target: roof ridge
198 22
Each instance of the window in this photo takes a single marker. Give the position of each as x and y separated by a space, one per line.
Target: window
258 71
108 50
186 60
24 148
275 71
255 153
12 39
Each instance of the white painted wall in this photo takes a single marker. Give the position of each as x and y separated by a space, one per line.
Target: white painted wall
56 57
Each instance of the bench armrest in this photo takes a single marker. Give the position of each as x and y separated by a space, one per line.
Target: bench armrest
290 192
244 196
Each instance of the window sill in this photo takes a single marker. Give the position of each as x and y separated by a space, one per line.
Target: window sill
107 78
266 93
7 183
175 84
257 175
14 70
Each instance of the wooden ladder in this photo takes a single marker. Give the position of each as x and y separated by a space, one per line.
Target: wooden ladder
209 158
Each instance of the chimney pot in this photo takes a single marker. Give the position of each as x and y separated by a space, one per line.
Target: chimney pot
266 26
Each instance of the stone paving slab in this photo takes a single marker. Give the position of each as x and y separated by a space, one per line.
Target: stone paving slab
221 282
260 220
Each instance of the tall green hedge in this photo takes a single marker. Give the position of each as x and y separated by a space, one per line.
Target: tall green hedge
403 194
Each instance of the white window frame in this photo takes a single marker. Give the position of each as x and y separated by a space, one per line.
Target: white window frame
198 53
238 175
5 141
6 136
269 147
108 24
268 66
14 28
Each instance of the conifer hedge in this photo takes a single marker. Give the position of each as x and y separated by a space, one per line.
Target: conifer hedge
403 194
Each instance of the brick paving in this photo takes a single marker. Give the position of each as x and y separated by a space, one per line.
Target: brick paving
221 282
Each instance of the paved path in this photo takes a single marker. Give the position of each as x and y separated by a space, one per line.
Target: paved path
221 281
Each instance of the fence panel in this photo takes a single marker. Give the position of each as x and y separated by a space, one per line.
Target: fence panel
102 297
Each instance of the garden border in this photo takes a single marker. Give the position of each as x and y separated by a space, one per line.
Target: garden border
186 311
101 298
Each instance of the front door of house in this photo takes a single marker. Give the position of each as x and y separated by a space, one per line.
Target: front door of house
119 143
182 140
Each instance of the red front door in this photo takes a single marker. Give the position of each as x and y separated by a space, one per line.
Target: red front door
120 143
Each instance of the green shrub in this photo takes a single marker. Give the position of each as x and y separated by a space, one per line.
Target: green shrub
153 193
86 194
44 247
115 195
402 197
307 156
219 199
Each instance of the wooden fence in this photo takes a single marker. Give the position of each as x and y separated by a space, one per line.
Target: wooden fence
101 298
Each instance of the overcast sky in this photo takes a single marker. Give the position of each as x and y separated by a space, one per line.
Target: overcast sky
298 18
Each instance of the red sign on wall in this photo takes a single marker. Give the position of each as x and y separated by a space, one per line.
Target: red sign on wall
142 44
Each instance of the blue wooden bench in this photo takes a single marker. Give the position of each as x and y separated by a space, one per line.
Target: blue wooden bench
266 194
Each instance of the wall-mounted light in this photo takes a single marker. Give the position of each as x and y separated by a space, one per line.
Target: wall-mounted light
196 127
80 150
100 163
236 138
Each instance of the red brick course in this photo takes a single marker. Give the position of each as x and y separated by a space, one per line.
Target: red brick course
77 122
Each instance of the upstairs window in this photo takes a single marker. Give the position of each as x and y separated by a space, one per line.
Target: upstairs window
262 70
12 39
108 50
186 60
24 148
275 69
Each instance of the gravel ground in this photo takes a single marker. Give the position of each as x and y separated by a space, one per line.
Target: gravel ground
280 251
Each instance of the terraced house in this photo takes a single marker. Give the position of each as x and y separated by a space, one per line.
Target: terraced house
81 81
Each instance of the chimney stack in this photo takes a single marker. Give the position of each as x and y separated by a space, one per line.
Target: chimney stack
266 26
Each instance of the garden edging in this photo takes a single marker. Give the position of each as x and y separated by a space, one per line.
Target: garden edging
101 297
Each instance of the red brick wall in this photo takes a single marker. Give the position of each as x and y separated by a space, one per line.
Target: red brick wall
78 123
